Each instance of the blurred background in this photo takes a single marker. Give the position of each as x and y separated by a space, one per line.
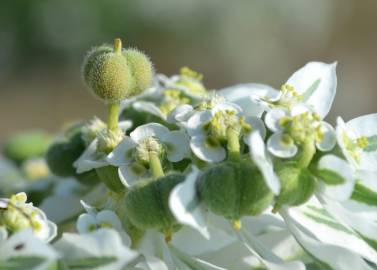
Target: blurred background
42 44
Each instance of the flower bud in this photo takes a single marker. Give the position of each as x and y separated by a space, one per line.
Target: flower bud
26 145
297 185
234 189
62 154
110 177
147 204
141 69
107 74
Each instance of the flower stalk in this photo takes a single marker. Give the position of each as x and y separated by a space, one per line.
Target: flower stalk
233 145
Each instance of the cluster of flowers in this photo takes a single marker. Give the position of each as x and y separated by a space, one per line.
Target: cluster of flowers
181 177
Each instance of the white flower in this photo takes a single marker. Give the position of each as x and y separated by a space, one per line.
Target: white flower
24 250
358 141
208 129
105 245
314 85
95 154
294 127
132 154
103 219
17 215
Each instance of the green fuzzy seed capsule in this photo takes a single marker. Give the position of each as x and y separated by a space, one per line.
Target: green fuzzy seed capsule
141 69
233 190
297 185
26 145
109 77
61 155
147 204
110 177
92 57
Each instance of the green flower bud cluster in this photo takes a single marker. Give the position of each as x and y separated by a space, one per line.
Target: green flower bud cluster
114 74
109 139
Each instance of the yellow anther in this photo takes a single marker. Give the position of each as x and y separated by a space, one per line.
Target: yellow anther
286 140
237 225
185 71
362 142
284 121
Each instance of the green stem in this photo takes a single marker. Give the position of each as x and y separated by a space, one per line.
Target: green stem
113 115
155 165
308 151
233 145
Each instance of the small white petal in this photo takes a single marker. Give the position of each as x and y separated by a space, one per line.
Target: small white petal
109 217
130 174
246 96
180 113
317 83
339 166
226 106
88 208
278 148
262 159
85 222
178 146
205 152
121 154
149 107
272 119
329 138
148 130
125 125
185 206
256 126
90 159
300 108
196 122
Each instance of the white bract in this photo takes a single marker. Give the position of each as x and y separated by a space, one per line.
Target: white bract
16 215
314 85
209 129
358 141
133 154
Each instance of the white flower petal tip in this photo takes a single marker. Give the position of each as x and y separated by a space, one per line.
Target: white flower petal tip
149 130
177 145
328 141
89 159
184 204
281 145
257 125
272 119
262 159
337 176
207 152
317 83
122 153
148 107
130 174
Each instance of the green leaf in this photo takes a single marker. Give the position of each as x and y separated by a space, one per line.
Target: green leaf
364 195
372 144
310 91
330 177
89 262
21 263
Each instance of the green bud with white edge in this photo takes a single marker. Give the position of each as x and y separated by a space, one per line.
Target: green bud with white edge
234 189
141 69
108 74
147 204
297 184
